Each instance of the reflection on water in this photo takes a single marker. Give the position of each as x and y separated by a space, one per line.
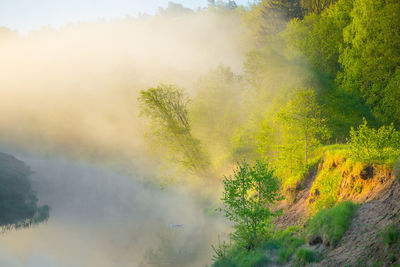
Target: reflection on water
102 218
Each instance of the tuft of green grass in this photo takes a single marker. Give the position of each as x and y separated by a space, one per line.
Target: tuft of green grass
326 183
286 241
295 182
330 224
240 257
396 169
390 235
304 257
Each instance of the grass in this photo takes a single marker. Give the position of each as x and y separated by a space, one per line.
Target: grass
396 169
326 184
286 242
330 224
324 189
240 257
390 235
304 257
296 181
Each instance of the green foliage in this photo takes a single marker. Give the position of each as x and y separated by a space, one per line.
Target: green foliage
215 111
370 145
303 127
240 257
319 37
296 180
316 6
264 19
166 106
243 144
330 224
304 257
396 170
287 241
246 197
18 202
325 188
390 235
371 55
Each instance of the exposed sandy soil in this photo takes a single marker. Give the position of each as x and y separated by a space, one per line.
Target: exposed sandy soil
295 212
360 245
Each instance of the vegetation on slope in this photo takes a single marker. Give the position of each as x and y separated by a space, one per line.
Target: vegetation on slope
317 100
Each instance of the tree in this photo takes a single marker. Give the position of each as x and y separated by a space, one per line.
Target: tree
166 106
266 18
320 37
371 56
18 202
301 121
316 6
371 145
246 197
216 109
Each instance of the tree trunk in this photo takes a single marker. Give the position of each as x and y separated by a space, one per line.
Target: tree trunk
306 154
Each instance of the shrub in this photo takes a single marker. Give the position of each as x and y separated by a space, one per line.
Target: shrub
287 241
246 198
397 169
304 256
390 234
370 145
330 224
240 257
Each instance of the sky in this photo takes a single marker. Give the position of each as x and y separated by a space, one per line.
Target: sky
27 15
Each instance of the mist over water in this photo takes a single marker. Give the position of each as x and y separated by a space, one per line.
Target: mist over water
102 218
68 109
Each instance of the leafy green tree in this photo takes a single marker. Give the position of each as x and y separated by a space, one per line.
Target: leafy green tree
302 123
264 19
18 202
216 110
166 106
371 55
320 37
316 6
371 145
247 196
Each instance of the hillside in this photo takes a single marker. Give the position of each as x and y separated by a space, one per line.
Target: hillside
377 191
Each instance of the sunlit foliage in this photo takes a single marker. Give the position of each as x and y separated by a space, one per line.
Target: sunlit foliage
166 106
246 197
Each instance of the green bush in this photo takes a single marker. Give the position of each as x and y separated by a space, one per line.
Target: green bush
247 196
286 241
397 169
330 224
240 257
390 234
304 256
370 145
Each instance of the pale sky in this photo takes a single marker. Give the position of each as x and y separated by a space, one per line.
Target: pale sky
26 15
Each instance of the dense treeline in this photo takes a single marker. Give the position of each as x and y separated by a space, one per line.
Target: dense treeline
313 70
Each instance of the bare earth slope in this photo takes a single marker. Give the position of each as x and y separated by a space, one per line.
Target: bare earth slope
360 245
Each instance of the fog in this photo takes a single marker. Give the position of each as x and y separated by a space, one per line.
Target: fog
68 109
74 89
102 218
